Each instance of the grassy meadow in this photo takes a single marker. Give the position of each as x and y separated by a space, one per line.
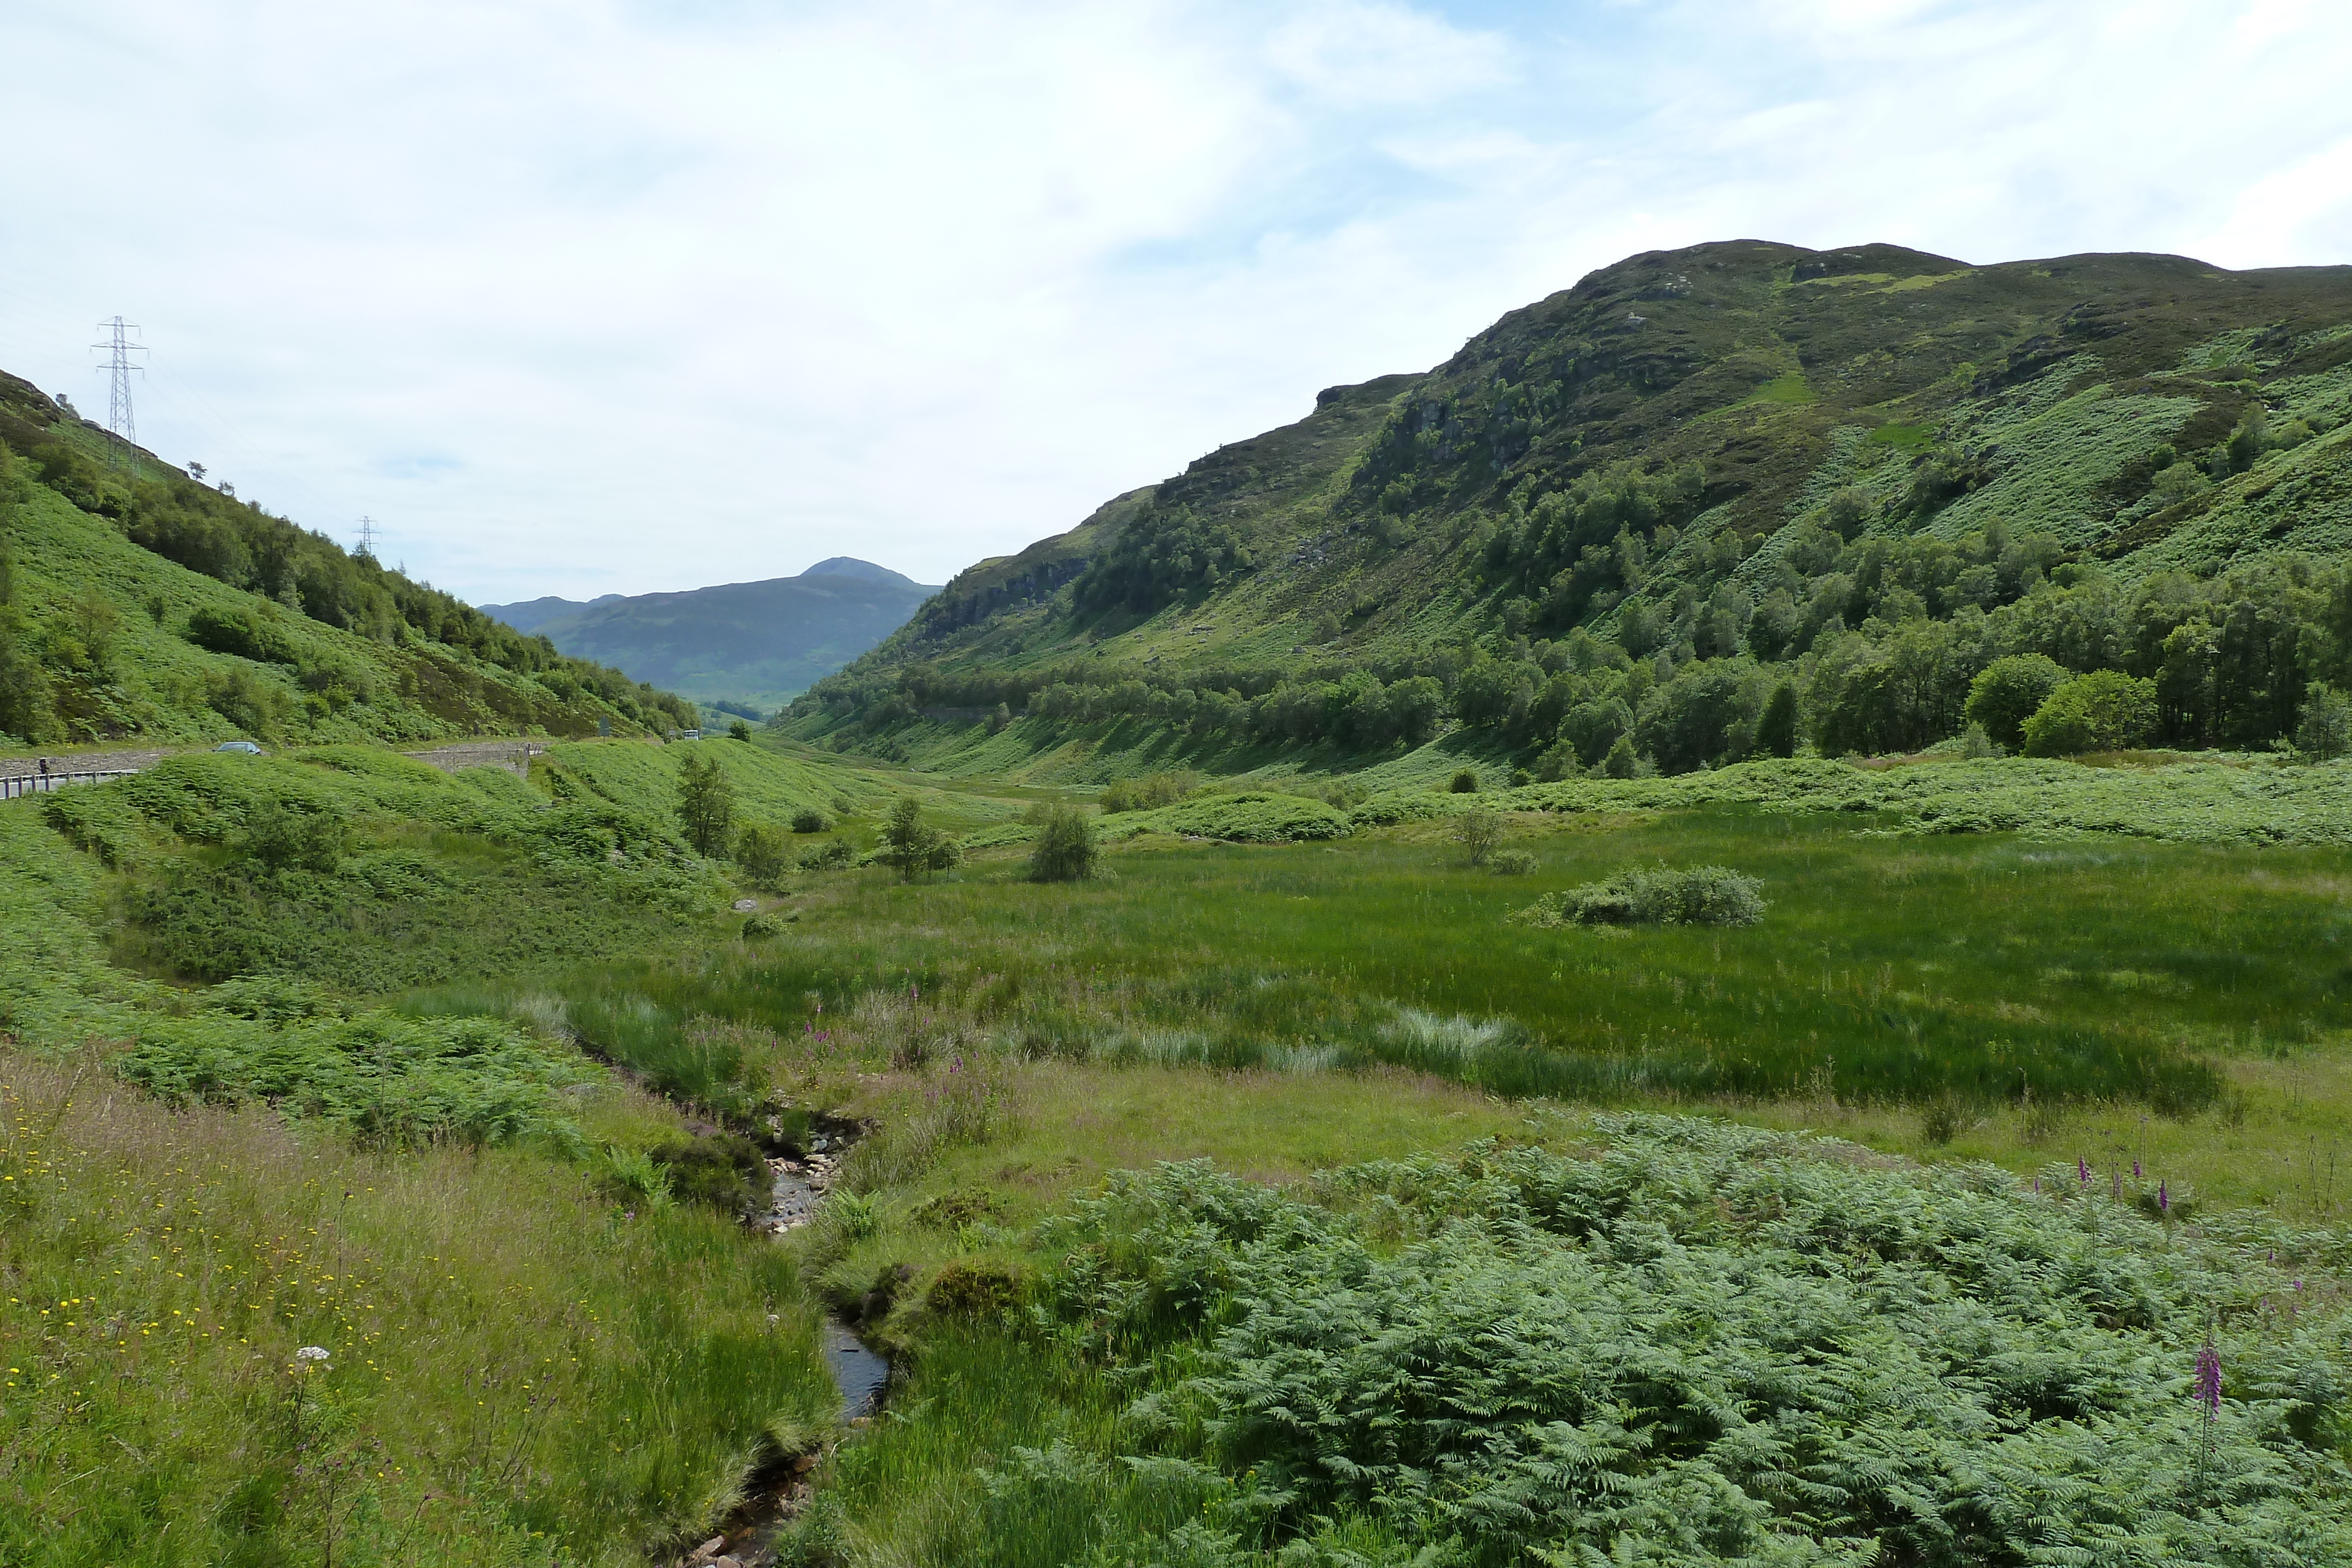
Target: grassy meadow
1966 983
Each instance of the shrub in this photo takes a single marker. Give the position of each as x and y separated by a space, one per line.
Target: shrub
1253 817
1943 1119
831 855
1621 762
634 1179
1066 848
762 851
1478 832
1521 778
2008 691
977 1288
911 848
278 839
1512 863
738 730
1557 761
954 1210
808 820
240 633
1148 793
759 927
1638 896
2105 710
256 706
1465 782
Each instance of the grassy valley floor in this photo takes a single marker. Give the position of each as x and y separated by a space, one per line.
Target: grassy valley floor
490 1163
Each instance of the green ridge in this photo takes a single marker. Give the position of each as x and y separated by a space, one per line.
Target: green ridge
136 603
1696 475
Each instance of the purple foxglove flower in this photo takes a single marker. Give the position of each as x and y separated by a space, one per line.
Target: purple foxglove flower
2163 1199
2209 1380
2136 1171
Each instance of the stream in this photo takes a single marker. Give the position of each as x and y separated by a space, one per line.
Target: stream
859 1371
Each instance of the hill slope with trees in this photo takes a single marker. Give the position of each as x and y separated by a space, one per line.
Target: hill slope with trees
1727 501
136 602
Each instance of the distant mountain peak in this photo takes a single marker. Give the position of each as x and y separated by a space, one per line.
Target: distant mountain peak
850 566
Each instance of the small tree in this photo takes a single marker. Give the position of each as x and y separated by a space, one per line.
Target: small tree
706 804
1478 832
1466 782
913 848
2325 731
1065 849
764 852
808 820
1621 762
738 730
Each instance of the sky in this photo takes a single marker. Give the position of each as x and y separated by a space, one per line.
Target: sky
581 296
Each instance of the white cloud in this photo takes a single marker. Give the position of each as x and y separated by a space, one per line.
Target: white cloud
582 295
1357 54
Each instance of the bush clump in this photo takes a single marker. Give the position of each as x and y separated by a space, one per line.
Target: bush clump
974 1289
953 1210
1478 832
277 838
1655 896
830 856
1252 817
1065 849
1148 793
763 853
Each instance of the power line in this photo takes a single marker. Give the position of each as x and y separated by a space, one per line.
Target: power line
124 453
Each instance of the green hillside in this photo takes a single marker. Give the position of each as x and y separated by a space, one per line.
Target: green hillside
739 645
139 603
1621 520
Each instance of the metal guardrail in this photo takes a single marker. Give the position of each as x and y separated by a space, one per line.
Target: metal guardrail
45 783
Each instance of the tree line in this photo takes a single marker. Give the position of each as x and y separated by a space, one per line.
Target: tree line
1878 648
